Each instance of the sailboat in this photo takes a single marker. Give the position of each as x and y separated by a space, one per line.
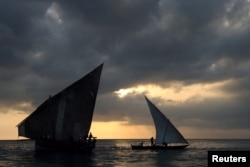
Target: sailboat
63 121
167 136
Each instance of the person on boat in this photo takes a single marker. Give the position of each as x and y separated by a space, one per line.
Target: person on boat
90 137
141 144
152 141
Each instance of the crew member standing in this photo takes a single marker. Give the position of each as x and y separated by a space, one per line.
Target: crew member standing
152 141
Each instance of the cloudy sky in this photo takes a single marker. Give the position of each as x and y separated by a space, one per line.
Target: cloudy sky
191 58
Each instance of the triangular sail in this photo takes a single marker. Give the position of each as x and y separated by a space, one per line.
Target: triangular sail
68 114
165 130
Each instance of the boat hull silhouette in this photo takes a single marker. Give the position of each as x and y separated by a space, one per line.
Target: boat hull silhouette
158 147
53 145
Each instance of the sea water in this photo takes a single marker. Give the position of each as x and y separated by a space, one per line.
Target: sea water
117 153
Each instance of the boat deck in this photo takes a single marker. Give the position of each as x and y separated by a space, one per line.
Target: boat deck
158 147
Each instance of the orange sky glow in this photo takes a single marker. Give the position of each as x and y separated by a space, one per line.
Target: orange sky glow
124 130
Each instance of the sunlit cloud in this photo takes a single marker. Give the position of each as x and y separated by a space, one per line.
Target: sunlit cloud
177 91
128 91
20 107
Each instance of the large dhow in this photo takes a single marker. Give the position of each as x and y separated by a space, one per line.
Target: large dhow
167 136
63 121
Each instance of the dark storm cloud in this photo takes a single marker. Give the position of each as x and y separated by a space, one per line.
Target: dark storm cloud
111 16
214 113
192 40
46 45
16 21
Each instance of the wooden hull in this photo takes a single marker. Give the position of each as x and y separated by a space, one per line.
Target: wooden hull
158 147
52 145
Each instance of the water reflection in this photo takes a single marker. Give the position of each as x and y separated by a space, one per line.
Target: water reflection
115 153
65 158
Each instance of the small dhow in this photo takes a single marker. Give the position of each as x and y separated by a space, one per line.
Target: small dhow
63 121
167 136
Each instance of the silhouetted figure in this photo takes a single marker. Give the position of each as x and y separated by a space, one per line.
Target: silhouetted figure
152 141
90 137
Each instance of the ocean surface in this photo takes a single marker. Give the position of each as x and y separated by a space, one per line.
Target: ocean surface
117 153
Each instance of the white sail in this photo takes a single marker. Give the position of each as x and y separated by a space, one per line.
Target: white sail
165 130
